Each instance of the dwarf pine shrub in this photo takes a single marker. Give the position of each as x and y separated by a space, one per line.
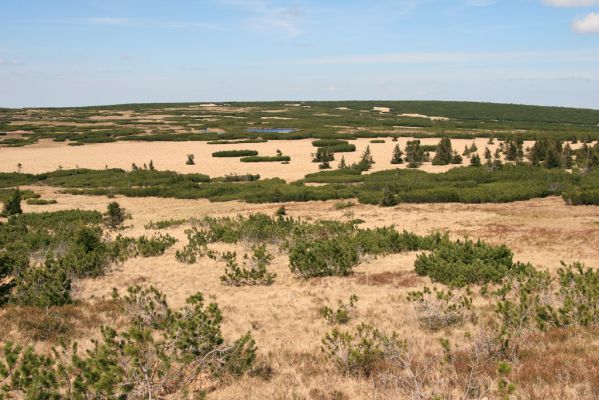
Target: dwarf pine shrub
252 272
334 256
12 206
114 216
465 262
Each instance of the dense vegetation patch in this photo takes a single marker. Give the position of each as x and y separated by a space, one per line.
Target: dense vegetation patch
235 153
265 159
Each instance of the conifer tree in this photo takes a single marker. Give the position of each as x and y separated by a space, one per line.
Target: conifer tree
342 163
443 153
397 155
12 206
475 160
456 158
366 161
389 199
488 158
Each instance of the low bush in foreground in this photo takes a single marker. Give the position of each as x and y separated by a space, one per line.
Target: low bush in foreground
160 354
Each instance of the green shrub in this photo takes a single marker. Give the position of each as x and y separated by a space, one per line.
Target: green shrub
465 262
114 216
336 256
235 153
164 224
147 246
40 202
197 246
387 240
43 286
13 205
265 159
252 272
328 142
577 298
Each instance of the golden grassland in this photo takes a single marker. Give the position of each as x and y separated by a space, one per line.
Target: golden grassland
284 318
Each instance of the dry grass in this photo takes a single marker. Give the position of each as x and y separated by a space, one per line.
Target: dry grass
284 317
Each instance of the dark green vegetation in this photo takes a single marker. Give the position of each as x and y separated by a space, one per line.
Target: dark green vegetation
235 153
310 120
253 159
42 253
462 184
461 263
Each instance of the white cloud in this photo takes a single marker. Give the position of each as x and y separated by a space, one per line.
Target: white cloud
571 3
588 24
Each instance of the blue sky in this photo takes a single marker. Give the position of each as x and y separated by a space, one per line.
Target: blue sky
85 52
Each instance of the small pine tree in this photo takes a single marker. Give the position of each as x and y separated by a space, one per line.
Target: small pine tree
488 158
443 153
466 151
552 159
190 159
511 153
342 164
397 155
473 147
151 166
114 216
491 140
12 206
324 165
366 161
475 160
414 154
389 199
456 158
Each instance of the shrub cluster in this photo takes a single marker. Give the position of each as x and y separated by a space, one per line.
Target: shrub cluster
252 272
465 262
265 159
235 153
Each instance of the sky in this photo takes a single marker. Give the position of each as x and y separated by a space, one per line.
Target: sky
93 52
